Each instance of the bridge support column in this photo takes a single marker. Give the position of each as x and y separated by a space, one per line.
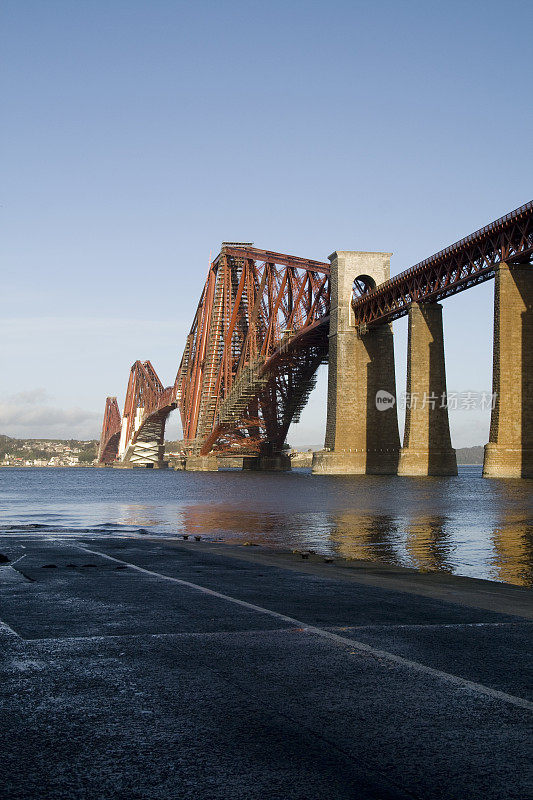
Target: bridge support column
143 455
427 448
275 463
509 453
362 424
207 463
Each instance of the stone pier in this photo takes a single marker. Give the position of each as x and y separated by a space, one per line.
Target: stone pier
509 453
427 448
275 463
362 424
207 463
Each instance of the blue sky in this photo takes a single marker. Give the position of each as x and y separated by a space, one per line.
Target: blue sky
137 136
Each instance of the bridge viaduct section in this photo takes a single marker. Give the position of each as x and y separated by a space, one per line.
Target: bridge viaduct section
509 453
266 321
362 423
360 437
427 446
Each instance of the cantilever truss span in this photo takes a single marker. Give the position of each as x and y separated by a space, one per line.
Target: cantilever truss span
137 438
147 406
110 436
260 332
258 337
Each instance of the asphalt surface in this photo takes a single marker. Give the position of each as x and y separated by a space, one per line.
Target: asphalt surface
135 668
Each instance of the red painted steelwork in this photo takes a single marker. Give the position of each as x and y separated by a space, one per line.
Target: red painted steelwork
146 397
109 439
261 330
465 263
258 336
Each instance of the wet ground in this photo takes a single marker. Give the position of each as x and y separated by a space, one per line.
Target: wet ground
142 668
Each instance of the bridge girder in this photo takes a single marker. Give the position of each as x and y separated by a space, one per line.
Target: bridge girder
258 337
466 263
146 408
110 435
261 330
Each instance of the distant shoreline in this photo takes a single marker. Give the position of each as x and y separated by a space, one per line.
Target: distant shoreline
110 466
38 453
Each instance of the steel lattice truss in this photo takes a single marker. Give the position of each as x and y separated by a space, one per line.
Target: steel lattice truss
146 408
258 337
146 396
465 263
109 439
261 331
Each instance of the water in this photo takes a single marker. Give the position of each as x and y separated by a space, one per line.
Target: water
464 525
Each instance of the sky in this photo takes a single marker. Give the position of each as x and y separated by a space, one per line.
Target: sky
138 135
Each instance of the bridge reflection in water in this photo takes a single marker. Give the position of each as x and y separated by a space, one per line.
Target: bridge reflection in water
496 543
513 549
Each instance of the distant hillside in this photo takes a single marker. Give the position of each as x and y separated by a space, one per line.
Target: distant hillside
470 455
86 451
62 451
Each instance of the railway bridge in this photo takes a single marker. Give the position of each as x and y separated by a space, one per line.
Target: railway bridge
266 321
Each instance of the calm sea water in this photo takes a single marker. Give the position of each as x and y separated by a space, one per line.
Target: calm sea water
464 525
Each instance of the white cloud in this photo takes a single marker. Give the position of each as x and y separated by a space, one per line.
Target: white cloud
27 415
31 397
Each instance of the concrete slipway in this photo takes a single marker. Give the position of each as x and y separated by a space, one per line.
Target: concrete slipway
156 668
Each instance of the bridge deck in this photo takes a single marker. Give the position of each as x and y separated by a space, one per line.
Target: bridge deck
466 263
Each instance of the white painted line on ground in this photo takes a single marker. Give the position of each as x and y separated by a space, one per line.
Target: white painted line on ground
5 627
480 688
12 563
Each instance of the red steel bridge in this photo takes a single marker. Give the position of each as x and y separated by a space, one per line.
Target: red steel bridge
260 331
